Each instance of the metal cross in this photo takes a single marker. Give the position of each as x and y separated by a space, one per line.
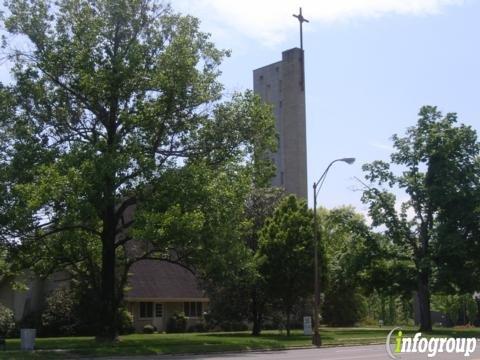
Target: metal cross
301 19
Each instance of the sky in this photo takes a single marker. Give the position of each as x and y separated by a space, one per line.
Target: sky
370 65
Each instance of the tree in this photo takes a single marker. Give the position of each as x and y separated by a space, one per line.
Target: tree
234 281
432 157
359 263
349 247
112 101
286 251
260 206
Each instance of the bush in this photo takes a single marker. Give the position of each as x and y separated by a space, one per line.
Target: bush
7 321
74 311
59 318
87 308
177 323
200 327
149 329
125 320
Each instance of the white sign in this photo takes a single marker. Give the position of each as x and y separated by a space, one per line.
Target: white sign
307 325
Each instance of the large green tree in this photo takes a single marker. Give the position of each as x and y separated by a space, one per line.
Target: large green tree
114 102
360 265
259 207
234 279
434 164
286 251
350 248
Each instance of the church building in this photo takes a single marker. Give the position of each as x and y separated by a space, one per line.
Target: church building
282 85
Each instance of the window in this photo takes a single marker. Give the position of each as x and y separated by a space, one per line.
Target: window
146 310
192 309
158 310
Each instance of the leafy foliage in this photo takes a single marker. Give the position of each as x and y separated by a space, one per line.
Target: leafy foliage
177 323
439 171
234 281
149 329
59 315
286 249
7 321
347 240
111 103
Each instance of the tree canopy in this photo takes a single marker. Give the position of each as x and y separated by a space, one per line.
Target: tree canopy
112 103
437 161
286 250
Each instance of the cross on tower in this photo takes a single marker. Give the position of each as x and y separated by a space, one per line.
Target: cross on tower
301 20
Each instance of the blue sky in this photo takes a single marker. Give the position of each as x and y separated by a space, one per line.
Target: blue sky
370 66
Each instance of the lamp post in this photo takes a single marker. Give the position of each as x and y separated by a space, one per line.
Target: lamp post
317 340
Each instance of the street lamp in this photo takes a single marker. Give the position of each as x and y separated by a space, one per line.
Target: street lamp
317 340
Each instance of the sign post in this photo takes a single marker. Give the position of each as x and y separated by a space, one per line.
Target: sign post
307 325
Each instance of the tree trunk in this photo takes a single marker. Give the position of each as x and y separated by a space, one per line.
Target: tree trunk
383 314
424 302
392 318
257 324
288 322
256 315
107 330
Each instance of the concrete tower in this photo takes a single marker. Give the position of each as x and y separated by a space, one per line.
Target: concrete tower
281 85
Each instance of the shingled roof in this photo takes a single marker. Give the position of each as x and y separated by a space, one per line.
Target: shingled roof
160 280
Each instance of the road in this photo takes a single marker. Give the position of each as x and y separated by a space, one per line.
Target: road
370 352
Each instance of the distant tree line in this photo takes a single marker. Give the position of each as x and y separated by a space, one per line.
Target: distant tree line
420 250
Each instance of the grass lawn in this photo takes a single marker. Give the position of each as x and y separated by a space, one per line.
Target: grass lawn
142 344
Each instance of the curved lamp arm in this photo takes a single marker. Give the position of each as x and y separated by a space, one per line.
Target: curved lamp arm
316 187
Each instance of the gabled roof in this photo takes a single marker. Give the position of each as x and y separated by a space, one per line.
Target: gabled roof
161 280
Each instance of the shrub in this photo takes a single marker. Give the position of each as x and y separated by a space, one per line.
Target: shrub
200 327
177 323
7 321
149 329
125 320
87 308
74 311
59 318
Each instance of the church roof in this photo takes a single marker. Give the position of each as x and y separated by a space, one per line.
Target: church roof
161 280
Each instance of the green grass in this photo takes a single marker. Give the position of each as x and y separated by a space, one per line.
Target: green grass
140 344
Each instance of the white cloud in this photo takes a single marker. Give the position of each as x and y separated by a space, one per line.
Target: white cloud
269 21
382 146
